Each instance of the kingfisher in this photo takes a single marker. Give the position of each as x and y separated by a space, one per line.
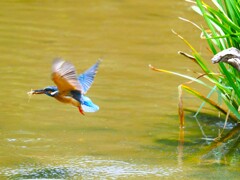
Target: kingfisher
71 88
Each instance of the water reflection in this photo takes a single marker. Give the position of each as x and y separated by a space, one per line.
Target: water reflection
221 149
224 150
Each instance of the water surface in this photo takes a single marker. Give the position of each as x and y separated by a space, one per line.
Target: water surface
136 132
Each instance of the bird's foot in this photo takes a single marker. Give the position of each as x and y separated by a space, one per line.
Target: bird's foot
80 110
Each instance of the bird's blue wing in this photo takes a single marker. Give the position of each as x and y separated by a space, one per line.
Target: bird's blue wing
88 105
86 79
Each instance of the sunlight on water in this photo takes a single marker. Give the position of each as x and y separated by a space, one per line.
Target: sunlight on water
88 167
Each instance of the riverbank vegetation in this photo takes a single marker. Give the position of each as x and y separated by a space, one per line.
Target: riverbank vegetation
221 31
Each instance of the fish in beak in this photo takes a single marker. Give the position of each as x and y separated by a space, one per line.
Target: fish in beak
38 91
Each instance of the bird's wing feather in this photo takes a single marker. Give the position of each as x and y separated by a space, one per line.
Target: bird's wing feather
64 76
86 78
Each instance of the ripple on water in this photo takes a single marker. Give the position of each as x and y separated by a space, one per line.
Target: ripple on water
88 167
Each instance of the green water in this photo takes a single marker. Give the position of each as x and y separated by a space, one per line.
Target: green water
135 134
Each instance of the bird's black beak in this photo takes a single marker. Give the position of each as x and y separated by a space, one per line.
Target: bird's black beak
38 91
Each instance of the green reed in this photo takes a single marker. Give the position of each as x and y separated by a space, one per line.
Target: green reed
222 32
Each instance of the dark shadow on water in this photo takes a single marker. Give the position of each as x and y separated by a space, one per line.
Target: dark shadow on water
171 142
210 119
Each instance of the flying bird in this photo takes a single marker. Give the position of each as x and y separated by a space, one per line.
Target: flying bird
71 88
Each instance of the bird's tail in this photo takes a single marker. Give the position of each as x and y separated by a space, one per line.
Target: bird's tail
88 105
